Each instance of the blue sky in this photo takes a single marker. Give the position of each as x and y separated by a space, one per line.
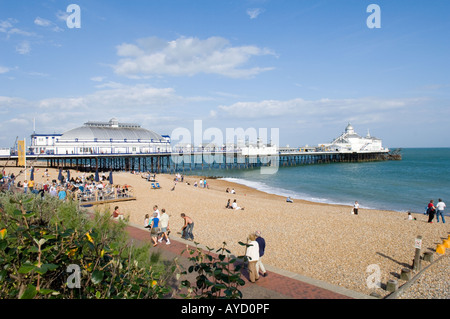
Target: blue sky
305 67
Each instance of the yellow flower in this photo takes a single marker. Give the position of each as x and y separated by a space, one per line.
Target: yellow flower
154 283
89 237
3 233
72 252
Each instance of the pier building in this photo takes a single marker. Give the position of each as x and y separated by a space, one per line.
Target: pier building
107 146
350 141
110 137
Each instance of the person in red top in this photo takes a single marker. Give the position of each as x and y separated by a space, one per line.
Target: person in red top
431 211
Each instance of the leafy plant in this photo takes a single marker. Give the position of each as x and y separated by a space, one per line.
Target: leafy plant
218 275
50 249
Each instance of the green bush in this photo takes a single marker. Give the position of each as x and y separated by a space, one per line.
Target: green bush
218 274
51 249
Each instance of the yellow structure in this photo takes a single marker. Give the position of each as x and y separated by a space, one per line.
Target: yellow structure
446 243
440 249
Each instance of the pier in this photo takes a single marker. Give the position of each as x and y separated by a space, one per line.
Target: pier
173 162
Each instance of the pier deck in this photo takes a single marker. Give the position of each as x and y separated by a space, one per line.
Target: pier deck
180 161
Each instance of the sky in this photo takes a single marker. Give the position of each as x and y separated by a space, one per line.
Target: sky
304 67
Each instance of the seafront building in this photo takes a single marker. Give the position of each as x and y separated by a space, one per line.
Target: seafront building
110 137
107 146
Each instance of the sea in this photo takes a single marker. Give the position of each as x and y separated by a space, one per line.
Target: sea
404 185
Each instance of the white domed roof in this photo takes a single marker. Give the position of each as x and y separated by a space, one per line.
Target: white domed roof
110 130
349 129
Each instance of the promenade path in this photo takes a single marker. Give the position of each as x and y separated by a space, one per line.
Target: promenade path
278 284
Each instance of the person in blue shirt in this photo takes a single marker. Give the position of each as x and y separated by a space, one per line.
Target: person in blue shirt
62 194
155 230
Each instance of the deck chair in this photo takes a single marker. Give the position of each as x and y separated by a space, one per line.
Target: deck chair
153 186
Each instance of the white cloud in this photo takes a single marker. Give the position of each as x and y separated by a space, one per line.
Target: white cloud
7 26
47 24
23 48
154 108
97 78
42 22
361 109
62 15
4 69
187 57
254 13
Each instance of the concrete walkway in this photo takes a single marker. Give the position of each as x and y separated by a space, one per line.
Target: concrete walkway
278 284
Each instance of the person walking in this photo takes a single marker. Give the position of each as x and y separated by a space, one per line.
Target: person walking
431 211
156 210
187 228
155 229
440 206
253 256
164 221
262 247
355 208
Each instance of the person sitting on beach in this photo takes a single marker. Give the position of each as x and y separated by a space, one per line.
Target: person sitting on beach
289 200
147 221
410 216
235 206
116 214
228 204
233 191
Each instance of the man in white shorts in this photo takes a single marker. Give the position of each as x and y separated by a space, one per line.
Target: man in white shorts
164 224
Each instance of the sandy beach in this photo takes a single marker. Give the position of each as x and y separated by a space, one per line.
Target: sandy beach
321 241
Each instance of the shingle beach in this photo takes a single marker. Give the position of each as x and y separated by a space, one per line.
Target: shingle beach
322 241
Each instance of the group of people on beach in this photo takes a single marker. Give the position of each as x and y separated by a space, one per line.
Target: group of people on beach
233 205
435 210
65 188
158 224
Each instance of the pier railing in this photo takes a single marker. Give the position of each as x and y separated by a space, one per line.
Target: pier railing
205 159
107 195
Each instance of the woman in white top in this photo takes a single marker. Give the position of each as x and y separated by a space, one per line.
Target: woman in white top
235 206
253 256
355 208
